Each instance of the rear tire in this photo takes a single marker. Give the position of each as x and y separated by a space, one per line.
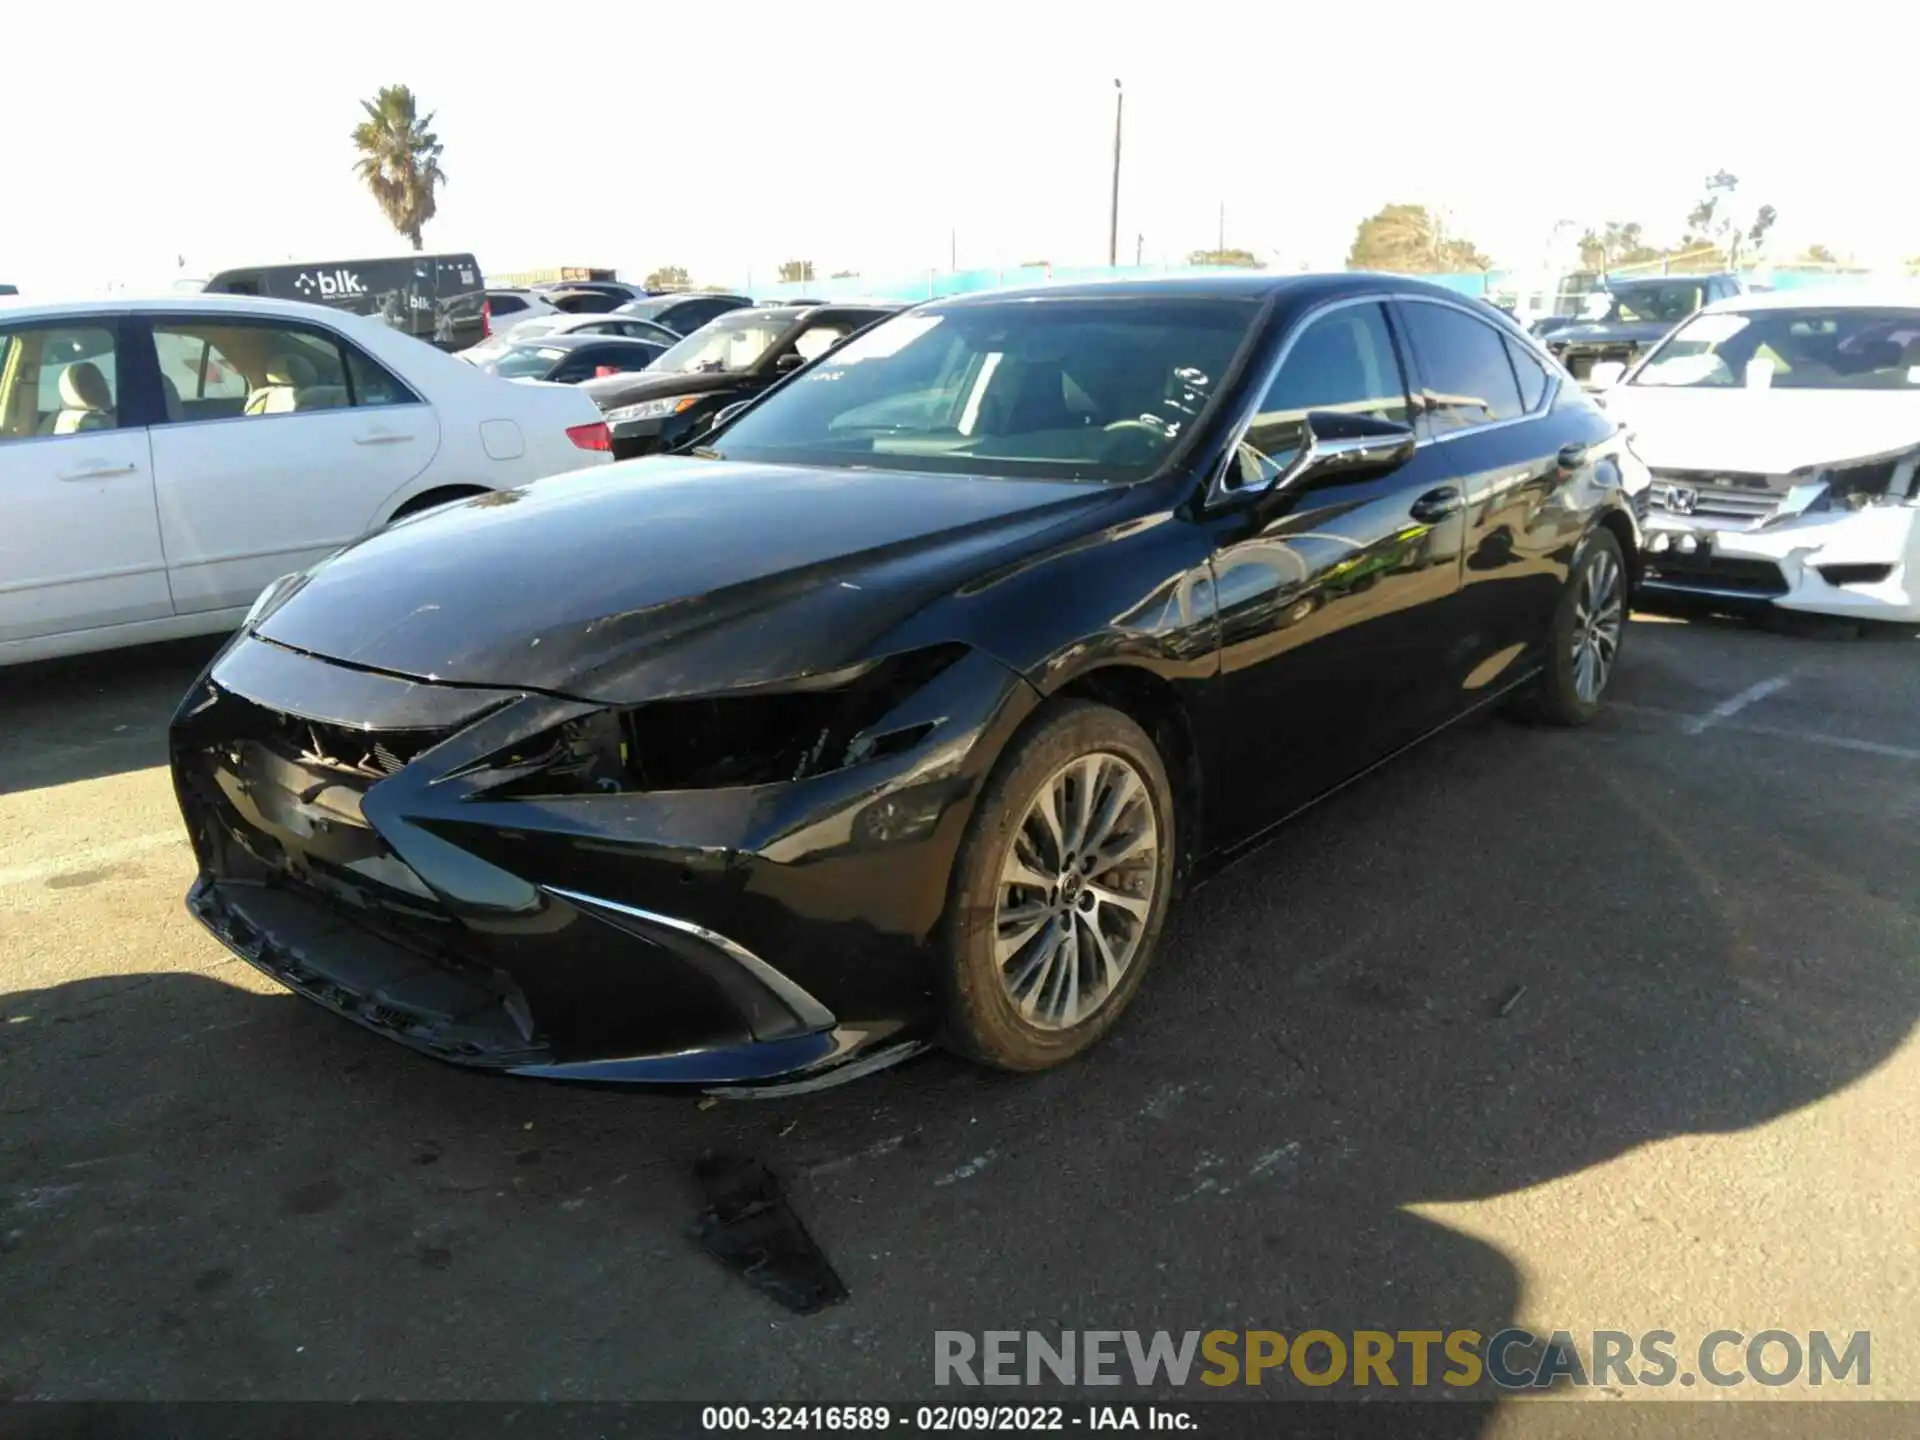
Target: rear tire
1583 643
1059 890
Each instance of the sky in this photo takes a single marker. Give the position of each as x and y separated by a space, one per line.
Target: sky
890 138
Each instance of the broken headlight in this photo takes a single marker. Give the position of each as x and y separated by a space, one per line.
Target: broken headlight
762 736
1880 480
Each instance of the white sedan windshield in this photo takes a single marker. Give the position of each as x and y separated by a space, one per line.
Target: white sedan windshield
1812 349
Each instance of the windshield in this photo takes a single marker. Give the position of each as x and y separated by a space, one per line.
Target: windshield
1841 349
724 346
1075 388
524 362
1666 302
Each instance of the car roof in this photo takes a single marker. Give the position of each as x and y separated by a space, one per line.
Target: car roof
1242 285
189 302
1881 296
573 340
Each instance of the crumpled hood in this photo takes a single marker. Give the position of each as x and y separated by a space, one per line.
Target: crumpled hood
669 575
1767 432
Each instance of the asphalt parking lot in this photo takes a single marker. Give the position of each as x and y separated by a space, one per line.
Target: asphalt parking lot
1698 1113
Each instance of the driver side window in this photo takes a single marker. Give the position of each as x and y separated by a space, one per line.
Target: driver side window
1343 360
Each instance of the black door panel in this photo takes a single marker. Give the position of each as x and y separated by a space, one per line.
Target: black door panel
1335 604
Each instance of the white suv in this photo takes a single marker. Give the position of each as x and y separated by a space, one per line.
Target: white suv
163 462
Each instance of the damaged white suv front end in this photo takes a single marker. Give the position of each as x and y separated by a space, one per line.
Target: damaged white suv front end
1783 437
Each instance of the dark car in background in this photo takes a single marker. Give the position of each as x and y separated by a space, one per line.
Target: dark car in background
618 290
902 707
576 301
727 360
558 322
441 299
570 359
683 314
1632 317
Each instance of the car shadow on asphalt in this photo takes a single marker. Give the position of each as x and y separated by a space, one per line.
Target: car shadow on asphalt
207 1191
125 698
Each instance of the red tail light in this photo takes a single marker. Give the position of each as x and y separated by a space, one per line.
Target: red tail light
591 437
486 318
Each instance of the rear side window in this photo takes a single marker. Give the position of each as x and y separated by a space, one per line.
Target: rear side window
220 369
1531 374
1468 378
505 304
58 380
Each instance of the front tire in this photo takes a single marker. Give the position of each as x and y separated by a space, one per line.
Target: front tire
1059 891
1583 645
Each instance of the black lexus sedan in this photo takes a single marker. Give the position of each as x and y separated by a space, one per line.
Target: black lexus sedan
725 361
571 358
903 706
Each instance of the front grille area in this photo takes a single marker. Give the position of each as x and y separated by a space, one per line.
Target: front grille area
1580 359
1741 497
299 881
1703 570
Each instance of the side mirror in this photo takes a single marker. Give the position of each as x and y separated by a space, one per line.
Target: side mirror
1336 445
788 362
727 413
1605 374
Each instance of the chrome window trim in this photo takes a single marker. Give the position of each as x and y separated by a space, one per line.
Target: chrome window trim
806 1009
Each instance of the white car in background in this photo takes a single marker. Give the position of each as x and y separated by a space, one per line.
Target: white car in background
164 461
1783 435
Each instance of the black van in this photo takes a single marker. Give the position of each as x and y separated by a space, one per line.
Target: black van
437 298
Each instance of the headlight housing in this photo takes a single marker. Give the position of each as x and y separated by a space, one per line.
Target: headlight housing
771 735
653 409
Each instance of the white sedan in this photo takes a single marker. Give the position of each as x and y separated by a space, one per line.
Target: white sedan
163 462
1783 434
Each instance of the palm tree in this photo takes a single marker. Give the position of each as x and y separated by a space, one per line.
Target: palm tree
399 159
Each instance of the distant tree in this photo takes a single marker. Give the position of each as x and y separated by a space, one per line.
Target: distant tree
796 270
846 275
668 277
1616 244
1818 255
1711 221
1232 255
399 159
1407 239
1037 265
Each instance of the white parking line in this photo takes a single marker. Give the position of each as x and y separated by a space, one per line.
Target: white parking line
1773 732
1734 705
95 857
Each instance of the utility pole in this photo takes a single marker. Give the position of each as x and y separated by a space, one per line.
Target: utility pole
953 249
1221 244
1139 244
1113 215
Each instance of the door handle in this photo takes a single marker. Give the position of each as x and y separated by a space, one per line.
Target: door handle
1572 456
94 470
382 437
1437 505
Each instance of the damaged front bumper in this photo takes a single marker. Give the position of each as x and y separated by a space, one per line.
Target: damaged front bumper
355 844
1839 541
